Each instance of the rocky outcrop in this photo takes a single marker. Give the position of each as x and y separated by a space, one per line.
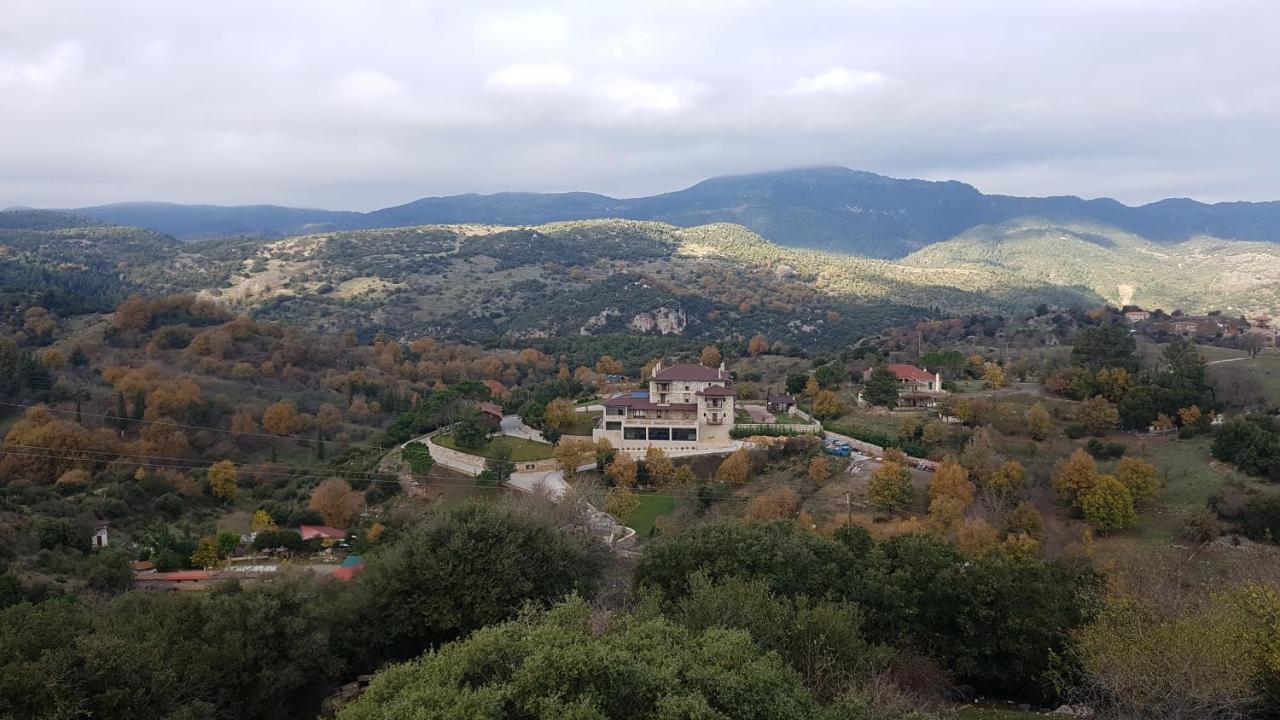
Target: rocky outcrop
664 321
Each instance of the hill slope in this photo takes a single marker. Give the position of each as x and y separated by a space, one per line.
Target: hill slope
829 208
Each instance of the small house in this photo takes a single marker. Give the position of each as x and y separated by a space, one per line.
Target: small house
490 414
322 532
780 404
100 538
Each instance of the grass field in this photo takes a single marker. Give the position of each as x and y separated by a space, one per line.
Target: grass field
583 423
517 449
650 509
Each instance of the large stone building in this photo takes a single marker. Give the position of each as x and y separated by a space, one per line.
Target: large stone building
686 408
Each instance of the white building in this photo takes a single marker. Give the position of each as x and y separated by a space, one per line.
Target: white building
687 408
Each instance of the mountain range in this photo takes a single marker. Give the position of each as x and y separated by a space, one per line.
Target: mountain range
822 208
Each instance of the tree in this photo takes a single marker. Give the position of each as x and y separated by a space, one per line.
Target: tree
827 405
222 480
735 469
559 415
1007 481
262 522
831 375
607 365
573 453
819 471
658 466
881 387
623 470
950 493
1108 505
418 456
604 453
1190 416
796 383
1097 415
206 554
979 456
655 669
993 376
812 387
497 470
1113 383
1105 346
1024 519
336 502
1140 477
471 433
460 569
280 418
758 345
1074 477
621 501
710 356
1039 423
685 477
1162 423
890 487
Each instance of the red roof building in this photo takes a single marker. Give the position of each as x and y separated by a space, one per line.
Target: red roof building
689 372
323 532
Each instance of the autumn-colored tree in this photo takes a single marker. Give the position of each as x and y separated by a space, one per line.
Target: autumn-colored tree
336 502
262 522
827 405
658 466
1190 415
1162 423
1108 505
685 477
735 469
607 365
1024 518
993 376
758 345
223 480
894 455
647 371
559 414
280 418
53 359
1113 383
621 501
950 493
819 470
1074 477
711 356
776 503
890 487
979 456
328 416
623 470
1039 422
206 554
1020 545
572 453
1141 477
1005 483
243 423
975 538
63 445
935 432
74 480
1098 415
812 388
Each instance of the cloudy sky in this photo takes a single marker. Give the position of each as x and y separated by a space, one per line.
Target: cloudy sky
365 104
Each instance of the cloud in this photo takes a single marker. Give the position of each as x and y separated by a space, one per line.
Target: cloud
838 81
530 76
347 105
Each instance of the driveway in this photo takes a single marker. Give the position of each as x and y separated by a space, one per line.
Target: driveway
512 425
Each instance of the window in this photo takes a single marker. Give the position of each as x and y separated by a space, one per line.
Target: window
686 434
613 426
633 433
617 411
659 433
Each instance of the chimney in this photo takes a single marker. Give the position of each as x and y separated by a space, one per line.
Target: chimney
657 368
721 366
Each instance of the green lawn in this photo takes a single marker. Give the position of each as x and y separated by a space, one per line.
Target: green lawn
650 509
583 423
518 449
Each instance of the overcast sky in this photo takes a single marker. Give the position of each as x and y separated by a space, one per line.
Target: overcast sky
365 104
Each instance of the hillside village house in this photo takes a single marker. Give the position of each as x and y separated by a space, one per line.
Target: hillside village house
916 387
686 408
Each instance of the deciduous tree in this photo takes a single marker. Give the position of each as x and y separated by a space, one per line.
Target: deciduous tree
890 487
735 469
758 345
950 493
223 480
1108 505
1141 477
336 502
711 356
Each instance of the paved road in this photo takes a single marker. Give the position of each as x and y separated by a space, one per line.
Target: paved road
512 426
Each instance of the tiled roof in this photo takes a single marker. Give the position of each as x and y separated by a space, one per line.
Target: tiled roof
320 531
910 372
489 408
717 391
640 401
689 372
781 399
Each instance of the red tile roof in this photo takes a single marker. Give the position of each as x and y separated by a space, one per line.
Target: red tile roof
910 372
321 531
489 408
717 391
642 402
689 372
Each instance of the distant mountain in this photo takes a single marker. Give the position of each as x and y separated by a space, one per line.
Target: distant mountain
825 208
198 222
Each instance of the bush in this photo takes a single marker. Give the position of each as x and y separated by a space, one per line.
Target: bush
1105 450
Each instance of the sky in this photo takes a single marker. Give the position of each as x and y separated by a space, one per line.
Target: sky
360 105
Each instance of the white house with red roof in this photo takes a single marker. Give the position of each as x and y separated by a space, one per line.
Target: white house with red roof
916 387
687 407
